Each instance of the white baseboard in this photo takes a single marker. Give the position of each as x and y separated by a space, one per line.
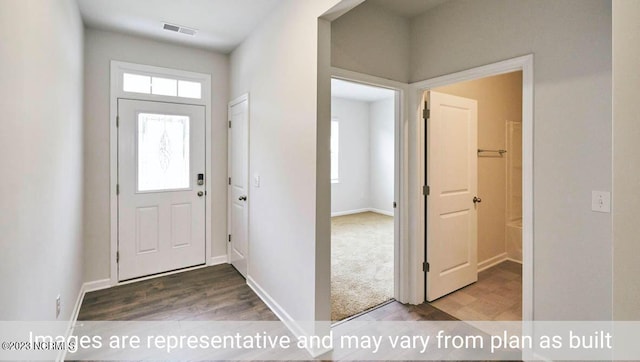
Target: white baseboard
349 212
77 305
288 321
275 308
486 264
72 320
96 285
217 260
84 289
357 211
382 212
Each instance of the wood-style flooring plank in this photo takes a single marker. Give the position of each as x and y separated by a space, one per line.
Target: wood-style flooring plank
211 293
217 293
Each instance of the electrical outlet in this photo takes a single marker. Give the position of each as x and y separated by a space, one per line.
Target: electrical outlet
58 306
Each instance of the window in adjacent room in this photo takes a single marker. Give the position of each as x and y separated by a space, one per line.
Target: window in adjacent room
335 149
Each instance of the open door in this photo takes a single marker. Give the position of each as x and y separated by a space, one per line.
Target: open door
452 202
238 213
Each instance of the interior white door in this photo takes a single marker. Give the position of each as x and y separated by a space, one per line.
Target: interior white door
452 176
161 198
239 183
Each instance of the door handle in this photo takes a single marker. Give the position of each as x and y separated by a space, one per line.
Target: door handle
242 198
476 200
200 193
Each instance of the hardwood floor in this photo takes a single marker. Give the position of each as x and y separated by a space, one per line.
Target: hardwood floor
208 294
216 293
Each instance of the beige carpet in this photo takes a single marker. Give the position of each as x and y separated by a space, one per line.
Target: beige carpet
361 263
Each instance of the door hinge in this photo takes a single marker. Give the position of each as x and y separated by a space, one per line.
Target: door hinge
425 267
395 204
117 189
229 124
426 112
229 237
117 121
117 256
426 190
229 180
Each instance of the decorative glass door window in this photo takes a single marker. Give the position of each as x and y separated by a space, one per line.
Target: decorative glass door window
163 152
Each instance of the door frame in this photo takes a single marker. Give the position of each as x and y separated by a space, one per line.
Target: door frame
400 263
240 99
118 68
524 64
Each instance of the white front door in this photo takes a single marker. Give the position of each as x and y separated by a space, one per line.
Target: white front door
161 197
239 183
452 172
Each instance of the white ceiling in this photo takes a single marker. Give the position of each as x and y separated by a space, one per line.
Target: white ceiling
408 8
221 24
359 92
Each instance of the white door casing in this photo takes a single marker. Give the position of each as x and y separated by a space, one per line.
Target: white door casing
452 173
238 192
161 205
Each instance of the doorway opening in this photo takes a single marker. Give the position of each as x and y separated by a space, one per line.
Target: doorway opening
363 194
475 207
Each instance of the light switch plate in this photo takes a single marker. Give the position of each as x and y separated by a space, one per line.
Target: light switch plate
601 201
256 181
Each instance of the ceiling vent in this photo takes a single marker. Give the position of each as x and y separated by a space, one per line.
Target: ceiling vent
179 29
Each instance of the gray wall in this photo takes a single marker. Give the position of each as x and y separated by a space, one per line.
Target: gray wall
382 154
289 261
352 192
100 48
366 155
571 42
626 168
41 157
372 40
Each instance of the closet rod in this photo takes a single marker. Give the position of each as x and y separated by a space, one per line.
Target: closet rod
501 152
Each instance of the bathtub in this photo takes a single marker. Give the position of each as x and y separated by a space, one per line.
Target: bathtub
514 240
